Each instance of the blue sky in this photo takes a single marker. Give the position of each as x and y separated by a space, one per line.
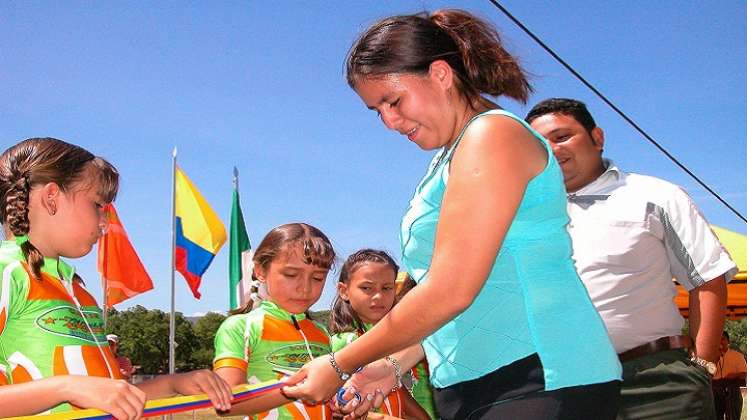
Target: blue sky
260 85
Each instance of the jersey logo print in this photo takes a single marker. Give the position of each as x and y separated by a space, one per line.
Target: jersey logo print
294 356
67 321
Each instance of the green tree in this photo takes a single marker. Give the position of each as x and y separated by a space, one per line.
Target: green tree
737 334
144 338
321 317
205 329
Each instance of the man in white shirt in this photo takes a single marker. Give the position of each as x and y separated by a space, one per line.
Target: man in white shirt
631 235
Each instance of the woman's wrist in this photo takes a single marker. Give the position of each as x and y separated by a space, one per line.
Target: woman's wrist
343 374
397 372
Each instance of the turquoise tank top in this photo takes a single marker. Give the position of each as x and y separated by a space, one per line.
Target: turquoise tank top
533 300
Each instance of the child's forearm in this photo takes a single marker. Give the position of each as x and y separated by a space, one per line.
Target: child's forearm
158 387
413 410
410 356
260 404
32 397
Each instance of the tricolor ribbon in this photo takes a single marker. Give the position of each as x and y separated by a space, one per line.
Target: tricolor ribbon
164 406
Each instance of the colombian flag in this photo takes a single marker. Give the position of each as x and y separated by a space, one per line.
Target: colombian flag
199 232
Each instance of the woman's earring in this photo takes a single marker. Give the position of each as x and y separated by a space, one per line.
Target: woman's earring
52 208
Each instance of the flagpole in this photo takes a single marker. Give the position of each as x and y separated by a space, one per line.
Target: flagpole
103 277
239 298
172 317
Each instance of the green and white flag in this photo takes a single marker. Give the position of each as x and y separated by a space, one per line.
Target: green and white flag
240 263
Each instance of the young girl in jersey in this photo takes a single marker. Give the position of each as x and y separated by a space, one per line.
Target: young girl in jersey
51 199
366 291
273 335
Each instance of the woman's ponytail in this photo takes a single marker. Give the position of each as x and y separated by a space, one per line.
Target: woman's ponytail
488 67
409 44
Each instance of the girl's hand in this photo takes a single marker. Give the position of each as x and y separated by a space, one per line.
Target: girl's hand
204 382
116 397
355 410
316 382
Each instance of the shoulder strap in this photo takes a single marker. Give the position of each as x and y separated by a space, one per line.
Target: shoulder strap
450 152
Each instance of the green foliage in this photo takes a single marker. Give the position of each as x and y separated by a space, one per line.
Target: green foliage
737 334
321 317
205 329
144 338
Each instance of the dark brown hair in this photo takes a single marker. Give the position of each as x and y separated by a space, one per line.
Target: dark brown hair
38 161
571 107
342 317
470 45
315 247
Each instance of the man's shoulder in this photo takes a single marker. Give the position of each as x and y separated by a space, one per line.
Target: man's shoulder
646 187
647 182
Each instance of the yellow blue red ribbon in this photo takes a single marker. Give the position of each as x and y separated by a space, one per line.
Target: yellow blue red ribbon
166 406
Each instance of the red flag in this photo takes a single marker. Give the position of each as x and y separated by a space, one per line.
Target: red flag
123 274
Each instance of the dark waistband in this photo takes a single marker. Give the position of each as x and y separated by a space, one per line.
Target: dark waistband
660 344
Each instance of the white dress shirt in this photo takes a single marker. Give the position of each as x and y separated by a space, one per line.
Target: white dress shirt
631 235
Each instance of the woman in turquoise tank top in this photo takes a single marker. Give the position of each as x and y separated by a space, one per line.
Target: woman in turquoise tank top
499 311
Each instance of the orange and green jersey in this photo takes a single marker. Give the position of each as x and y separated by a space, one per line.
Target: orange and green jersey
393 404
421 388
264 343
48 326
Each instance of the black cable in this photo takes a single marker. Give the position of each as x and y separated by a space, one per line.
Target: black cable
615 108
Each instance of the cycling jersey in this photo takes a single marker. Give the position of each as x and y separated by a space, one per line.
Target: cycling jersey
48 326
264 343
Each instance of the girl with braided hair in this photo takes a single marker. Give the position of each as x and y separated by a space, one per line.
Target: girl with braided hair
52 340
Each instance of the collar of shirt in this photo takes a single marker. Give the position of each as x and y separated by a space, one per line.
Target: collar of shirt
609 177
55 267
278 312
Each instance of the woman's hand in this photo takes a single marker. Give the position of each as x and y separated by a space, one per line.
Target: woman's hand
372 383
376 376
316 382
203 382
116 397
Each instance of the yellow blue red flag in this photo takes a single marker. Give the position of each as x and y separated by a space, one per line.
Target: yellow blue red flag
199 232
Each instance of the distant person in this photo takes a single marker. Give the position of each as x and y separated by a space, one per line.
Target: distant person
366 292
631 235
499 306
731 371
125 365
272 335
51 198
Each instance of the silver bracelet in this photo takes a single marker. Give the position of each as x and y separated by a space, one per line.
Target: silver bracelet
343 375
397 373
